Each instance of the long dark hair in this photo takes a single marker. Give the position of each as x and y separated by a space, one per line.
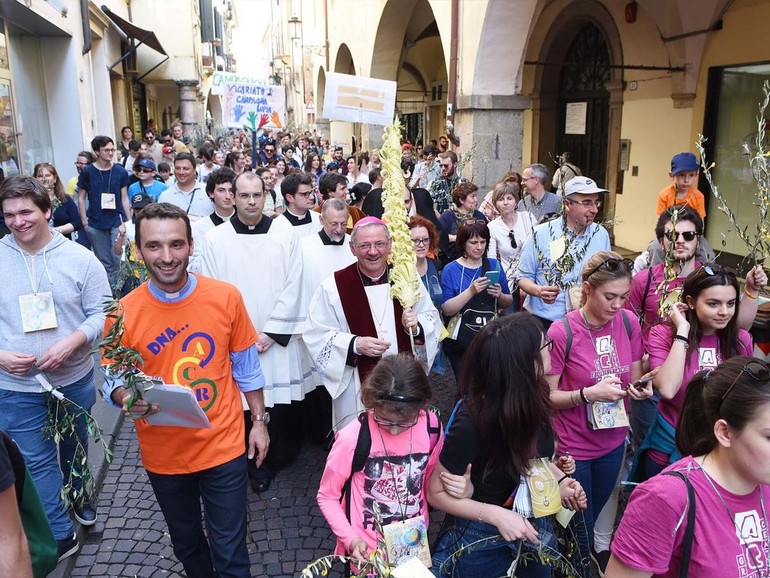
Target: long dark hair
505 392
697 282
704 403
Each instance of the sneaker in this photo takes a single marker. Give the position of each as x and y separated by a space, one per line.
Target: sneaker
68 546
601 559
85 514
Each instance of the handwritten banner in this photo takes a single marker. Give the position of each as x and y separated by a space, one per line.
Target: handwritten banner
253 105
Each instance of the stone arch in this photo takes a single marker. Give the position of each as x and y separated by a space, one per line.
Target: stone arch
552 34
344 62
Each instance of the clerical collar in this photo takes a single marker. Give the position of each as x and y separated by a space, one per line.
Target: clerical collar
259 229
326 240
297 221
218 220
161 295
369 282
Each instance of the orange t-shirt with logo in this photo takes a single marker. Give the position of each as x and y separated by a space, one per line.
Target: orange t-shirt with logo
189 343
694 199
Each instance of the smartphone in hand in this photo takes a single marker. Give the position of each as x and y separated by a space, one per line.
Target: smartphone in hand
493 276
641 383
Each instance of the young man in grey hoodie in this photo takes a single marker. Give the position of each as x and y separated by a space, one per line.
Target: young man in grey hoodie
52 304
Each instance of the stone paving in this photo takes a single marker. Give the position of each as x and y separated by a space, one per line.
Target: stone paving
286 528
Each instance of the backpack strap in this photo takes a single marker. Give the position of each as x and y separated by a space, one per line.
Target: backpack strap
453 416
568 344
644 295
363 447
627 323
433 424
689 533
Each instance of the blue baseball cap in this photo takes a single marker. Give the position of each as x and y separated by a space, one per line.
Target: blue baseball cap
684 162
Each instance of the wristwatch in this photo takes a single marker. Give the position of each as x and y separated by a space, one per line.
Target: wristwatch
265 418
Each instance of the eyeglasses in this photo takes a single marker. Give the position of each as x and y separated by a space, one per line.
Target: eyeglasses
144 170
379 245
306 195
712 269
512 237
586 203
547 345
612 265
269 150
527 178
388 423
108 151
688 236
475 222
756 370
249 196
418 242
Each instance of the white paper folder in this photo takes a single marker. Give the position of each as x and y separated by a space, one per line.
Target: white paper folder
178 406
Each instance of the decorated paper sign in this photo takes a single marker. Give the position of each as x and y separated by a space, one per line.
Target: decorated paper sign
220 78
254 106
359 99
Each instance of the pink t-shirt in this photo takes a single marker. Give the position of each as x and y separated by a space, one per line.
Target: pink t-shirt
637 300
650 536
707 356
405 459
593 355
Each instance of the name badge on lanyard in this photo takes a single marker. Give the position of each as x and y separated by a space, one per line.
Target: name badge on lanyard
108 201
37 311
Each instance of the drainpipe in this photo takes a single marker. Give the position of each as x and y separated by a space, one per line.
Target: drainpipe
86 22
326 32
452 89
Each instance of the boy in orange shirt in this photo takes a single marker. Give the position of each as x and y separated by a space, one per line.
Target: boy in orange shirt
685 170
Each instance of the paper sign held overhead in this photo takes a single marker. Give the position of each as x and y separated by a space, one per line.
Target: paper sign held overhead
253 105
359 99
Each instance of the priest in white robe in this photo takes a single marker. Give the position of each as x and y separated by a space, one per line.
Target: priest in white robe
297 191
322 254
353 321
261 257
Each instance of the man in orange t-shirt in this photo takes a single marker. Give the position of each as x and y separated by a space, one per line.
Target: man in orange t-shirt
685 170
194 331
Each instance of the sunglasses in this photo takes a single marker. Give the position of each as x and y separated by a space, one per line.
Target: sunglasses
612 265
475 222
688 236
512 237
756 370
144 170
712 269
547 345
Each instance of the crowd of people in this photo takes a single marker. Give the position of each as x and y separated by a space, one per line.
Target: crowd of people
264 287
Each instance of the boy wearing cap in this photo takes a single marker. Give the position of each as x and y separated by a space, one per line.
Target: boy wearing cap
145 170
685 170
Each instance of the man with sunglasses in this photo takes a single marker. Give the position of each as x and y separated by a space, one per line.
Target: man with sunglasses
441 188
427 170
679 232
167 139
145 170
553 257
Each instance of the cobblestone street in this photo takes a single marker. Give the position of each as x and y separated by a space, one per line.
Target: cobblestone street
286 528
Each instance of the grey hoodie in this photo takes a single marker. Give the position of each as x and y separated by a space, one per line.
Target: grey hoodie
79 286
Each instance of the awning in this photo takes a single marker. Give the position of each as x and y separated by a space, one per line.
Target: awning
131 30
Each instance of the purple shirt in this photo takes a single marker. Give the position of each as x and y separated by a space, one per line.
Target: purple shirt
650 535
648 304
584 368
707 356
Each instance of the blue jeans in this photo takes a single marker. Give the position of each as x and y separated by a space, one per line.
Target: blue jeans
598 477
23 416
643 413
102 242
223 489
490 559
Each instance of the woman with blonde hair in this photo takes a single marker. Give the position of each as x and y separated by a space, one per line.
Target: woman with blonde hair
596 363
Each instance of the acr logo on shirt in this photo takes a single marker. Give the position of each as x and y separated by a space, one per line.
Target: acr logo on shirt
200 349
708 357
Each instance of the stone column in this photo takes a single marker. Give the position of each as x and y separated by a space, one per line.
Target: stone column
495 125
188 103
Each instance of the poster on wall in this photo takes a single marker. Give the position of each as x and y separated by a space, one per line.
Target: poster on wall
253 105
359 99
575 118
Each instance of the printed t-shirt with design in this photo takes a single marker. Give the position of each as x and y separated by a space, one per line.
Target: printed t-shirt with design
707 356
652 529
98 184
189 343
405 459
593 355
